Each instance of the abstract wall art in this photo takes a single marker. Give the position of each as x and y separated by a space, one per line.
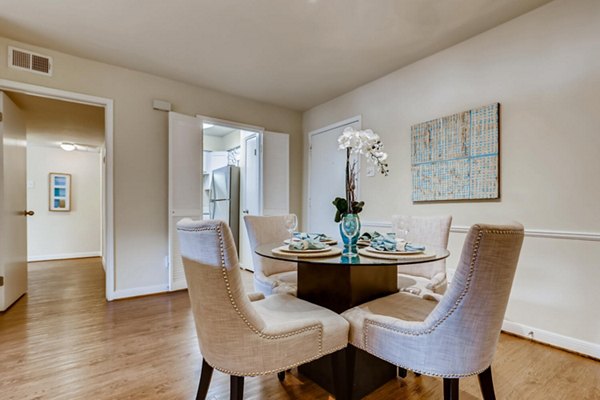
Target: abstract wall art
60 192
457 157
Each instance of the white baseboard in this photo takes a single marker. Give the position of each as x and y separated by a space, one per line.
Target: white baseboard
564 342
139 291
64 256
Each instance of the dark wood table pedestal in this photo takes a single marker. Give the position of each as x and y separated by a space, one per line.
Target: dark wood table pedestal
356 371
343 286
339 288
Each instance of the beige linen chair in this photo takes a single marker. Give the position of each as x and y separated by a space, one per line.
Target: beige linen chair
270 276
429 278
241 337
456 337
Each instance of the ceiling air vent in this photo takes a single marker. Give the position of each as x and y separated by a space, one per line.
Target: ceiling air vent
29 61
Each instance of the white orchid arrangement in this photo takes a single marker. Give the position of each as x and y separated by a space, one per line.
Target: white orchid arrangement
358 142
366 143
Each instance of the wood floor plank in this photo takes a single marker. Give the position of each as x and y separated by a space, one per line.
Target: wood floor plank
64 341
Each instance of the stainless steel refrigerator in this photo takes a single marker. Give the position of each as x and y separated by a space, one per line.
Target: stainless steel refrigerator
225 198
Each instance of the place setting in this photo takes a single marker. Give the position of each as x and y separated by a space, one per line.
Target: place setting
317 237
305 244
388 246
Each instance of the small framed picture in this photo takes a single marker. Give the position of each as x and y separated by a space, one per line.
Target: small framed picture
60 192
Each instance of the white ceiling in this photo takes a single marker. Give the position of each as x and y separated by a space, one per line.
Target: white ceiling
293 53
50 121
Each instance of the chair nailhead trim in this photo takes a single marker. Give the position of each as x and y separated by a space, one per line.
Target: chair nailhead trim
274 371
427 331
318 327
429 373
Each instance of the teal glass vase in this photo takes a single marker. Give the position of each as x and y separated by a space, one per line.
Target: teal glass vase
350 243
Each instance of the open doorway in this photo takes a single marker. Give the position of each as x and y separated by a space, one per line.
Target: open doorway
232 171
66 195
65 145
203 152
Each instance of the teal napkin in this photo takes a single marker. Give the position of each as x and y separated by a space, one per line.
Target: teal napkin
311 236
388 242
369 235
383 243
307 244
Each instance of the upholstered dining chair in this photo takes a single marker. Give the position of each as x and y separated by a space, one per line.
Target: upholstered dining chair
241 337
456 337
270 276
429 278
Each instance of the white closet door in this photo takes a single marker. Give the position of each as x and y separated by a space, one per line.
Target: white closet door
185 185
326 179
276 173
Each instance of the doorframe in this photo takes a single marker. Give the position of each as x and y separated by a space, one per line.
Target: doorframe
235 125
249 128
259 140
335 125
259 131
108 105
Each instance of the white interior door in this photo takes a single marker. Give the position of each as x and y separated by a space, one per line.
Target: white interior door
327 170
251 191
13 203
185 185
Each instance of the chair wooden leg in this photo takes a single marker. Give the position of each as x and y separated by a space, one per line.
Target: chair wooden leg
205 376
281 376
342 366
402 372
236 388
486 384
450 388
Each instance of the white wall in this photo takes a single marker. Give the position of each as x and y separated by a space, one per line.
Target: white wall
56 235
222 143
232 140
140 150
544 69
213 143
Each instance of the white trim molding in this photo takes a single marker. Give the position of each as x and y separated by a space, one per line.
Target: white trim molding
64 256
547 234
140 291
538 233
554 339
108 105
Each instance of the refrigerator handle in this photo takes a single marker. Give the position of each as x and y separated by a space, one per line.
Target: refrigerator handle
211 191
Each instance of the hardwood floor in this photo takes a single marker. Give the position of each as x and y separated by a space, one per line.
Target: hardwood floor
64 341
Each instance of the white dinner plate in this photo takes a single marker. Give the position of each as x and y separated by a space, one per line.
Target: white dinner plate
325 241
394 253
286 249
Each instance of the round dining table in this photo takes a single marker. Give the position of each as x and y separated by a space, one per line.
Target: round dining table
339 283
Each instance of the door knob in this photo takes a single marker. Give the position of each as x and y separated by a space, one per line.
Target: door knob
28 213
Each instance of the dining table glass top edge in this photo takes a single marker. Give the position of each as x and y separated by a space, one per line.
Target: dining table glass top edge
435 254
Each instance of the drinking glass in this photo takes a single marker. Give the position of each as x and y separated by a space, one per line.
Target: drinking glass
401 230
291 222
349 229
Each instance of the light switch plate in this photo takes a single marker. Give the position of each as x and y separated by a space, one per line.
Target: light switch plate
30 184
370 170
